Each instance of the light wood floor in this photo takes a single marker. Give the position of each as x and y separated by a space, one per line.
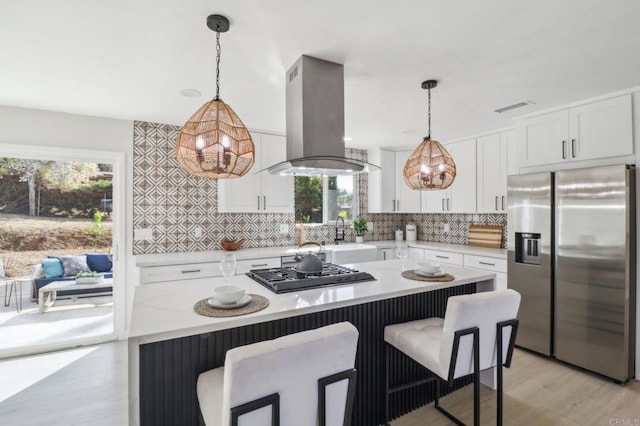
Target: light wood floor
88 386
538 391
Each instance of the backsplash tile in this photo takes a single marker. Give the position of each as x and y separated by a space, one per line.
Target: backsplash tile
174 204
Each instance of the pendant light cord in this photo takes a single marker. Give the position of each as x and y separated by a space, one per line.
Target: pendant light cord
429 113
218 50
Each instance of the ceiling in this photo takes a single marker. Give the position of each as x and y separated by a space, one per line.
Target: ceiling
130 58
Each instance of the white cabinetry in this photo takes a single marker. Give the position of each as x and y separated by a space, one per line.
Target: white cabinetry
416 253
493 167
444 257
595 130
387 191
460 197
499 266
261 192
245 265
156 274
387 254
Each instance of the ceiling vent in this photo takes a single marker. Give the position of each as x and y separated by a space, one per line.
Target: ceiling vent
514 106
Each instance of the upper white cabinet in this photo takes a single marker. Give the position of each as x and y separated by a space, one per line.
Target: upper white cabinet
387 191
259 192
493 167
595 130
460 197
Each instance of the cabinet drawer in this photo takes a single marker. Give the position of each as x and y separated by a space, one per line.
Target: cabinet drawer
443 257
415 253
156 274
245 265
488 263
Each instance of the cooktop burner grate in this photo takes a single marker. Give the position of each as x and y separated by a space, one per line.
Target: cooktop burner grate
287 279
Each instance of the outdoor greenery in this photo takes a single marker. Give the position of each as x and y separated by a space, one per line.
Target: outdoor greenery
97 229
308 199
52 188
310 203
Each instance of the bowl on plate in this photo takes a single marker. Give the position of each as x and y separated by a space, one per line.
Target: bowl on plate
228 294
429 268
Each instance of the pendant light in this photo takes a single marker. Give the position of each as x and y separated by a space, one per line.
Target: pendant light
214 143
430 167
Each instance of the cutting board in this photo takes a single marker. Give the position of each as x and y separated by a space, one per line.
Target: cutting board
485 236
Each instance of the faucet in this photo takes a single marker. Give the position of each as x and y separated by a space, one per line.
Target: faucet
339 235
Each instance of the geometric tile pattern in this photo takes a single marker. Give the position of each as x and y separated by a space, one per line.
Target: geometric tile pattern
174 204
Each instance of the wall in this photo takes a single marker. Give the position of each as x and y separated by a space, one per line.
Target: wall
174 204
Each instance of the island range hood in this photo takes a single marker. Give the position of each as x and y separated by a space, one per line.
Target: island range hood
315 122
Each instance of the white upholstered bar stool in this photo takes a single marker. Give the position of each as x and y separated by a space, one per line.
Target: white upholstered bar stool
469 339
306 378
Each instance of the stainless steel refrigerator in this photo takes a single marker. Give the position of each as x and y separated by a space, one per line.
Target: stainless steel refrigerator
571 255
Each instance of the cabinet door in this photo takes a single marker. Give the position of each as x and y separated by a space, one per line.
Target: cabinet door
407 199
463 189
277 191
434 201
544 139
416 253
386 254
387 181
491 173
243 194
601 129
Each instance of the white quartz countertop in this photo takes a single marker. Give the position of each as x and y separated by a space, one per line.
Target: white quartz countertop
166 259
165 310
454 248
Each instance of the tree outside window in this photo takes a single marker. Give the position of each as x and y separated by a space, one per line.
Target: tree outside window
323 199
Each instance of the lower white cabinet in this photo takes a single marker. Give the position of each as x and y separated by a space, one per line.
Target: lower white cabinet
245 265
492 264
156 274
387 253
444 257
416 253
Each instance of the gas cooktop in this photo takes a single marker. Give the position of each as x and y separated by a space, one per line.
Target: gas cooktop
287 279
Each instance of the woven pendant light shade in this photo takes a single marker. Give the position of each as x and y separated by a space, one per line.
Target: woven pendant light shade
430 167
215 144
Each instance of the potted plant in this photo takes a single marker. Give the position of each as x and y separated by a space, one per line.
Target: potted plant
360 228
89 277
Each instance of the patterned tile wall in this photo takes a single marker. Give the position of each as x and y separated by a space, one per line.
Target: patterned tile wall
173 204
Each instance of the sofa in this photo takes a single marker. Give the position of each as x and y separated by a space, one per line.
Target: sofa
65 268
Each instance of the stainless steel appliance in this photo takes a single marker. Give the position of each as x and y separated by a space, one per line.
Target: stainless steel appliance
288 279
571 253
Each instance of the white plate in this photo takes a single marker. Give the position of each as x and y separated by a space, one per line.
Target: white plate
239 304
430 274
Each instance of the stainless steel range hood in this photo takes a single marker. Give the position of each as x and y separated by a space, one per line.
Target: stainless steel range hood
315 122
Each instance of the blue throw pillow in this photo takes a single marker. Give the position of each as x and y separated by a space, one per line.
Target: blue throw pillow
52 268
98 262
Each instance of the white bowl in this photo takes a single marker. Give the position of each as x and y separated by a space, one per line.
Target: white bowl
228 294
429 268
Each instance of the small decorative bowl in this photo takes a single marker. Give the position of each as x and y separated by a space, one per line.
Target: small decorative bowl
228 294
429 268
231 245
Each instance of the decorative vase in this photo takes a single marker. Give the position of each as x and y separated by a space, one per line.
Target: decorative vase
359 239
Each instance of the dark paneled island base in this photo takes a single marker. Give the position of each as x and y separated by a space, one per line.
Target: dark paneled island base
169 369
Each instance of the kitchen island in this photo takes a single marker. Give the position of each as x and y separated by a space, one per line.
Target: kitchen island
170 345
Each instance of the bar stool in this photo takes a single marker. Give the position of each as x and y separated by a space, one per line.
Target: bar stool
468 340
305 378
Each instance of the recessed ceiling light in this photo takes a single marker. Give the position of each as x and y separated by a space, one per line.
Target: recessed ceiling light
190 93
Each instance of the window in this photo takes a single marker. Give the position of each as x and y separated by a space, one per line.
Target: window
322 199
